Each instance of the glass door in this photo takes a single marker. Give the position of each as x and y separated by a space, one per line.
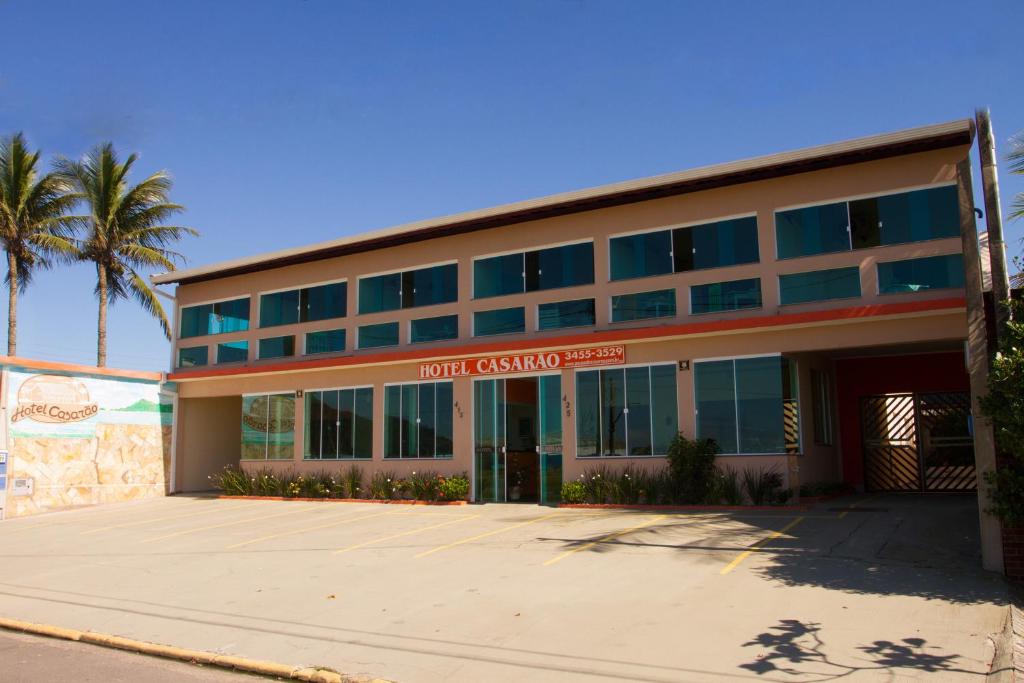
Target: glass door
489 440
549 437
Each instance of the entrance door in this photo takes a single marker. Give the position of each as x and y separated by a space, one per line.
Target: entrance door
518 439
918 442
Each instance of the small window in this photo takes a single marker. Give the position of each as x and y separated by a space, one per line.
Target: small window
920 274
725 296
577 313
418 420
233 352
339 424
303 305
221 317
193 357
531 271
325 341
277 347
268 427
498 276
374 336
821 385
905 217
812 230
820 285
500 321
659 304
641 255
434 329
715 245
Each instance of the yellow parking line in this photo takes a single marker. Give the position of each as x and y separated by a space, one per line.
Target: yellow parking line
404 533
344 520
224 524
608 537
164 519
757 546
483 535
853 505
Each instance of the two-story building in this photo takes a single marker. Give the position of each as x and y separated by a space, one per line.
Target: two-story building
804 309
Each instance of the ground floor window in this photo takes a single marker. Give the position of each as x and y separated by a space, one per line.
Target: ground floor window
748 405
418 420
339 424
626 411
268 426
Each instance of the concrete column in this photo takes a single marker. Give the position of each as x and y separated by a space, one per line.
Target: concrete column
977 368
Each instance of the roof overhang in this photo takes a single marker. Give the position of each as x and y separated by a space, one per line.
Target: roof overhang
900 143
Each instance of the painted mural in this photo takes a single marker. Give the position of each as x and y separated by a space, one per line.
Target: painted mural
85 440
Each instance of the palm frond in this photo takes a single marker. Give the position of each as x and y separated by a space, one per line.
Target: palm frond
147 298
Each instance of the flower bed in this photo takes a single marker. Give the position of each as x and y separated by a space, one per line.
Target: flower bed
384 487
350 500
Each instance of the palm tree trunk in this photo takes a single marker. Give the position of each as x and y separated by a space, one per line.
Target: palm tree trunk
101 331
12 305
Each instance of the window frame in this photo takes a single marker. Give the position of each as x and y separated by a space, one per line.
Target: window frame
878 275
473 332
675 303
266 443
401 272
305 344
536 317
398 337
293 354
523 251
384 420
724 311
181 312
177 358
312 285
409 339
778 284
373 414
217 360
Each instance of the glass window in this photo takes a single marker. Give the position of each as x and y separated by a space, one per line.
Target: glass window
325 341
725 296
216 318
233 352
820 285
498 275
713 245
641 255
821 406
916 275
748 405
380 293
268 427
556 267
421 287
418 420
279 308
905 217
324 302
277 347
566 314
434 329
339 424
659 304
382 334
626 411
500 321
812 230
193 357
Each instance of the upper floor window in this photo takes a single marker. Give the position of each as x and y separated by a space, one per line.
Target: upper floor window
277 347
304 305
577 313
709 245
819 285
434 329
725 296
216 318
325 341
233 352
897 218
409 289
918 274
193 357
500 321
566 266
644 305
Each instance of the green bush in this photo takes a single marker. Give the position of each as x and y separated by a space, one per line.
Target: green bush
424 485
385 486
761 484
455 487
266 483
232 481
601 484
727 487
574 492
629 485
352 483
691 464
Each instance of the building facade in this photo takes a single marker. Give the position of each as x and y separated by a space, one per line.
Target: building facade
806 310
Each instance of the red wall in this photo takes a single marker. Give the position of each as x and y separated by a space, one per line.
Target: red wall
858 377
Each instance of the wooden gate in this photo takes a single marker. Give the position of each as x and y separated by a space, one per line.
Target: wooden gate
918 442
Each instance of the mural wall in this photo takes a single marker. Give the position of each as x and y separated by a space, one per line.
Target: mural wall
83 440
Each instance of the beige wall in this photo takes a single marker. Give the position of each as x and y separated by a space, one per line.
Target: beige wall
209 438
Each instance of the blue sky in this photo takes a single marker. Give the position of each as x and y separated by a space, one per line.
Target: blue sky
286 122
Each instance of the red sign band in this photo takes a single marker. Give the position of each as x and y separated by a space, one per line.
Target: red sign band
525 362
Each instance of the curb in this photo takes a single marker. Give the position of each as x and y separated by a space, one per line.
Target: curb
686 508
255 666
379 501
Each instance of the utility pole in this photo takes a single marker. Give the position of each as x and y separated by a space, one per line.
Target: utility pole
994 220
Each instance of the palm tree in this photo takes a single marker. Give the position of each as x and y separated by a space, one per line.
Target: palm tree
123 232
33 225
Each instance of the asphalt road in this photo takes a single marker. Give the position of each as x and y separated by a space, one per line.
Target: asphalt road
33 659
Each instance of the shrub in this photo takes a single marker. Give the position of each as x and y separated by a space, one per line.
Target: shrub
728 487
601 484
315 485
628 485
658 487
352 482
384 485
455 487
574 492
232 481
692 467
266 483
760 484
424 485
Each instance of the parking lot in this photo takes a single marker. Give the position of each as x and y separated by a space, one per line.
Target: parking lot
861 588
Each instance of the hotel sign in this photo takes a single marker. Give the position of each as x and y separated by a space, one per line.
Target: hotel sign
525 362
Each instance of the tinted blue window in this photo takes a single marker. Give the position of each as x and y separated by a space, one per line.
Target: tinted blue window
498 275
556 267
428 286
233 352
820 285
725 296
380 293
339 424
192 357
641 255
277 347
326 341
383 334
218 318
659 304
418 420
915 275
713 245
434 329
324 302
812 230
500 321
566 314
279 308
905 217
